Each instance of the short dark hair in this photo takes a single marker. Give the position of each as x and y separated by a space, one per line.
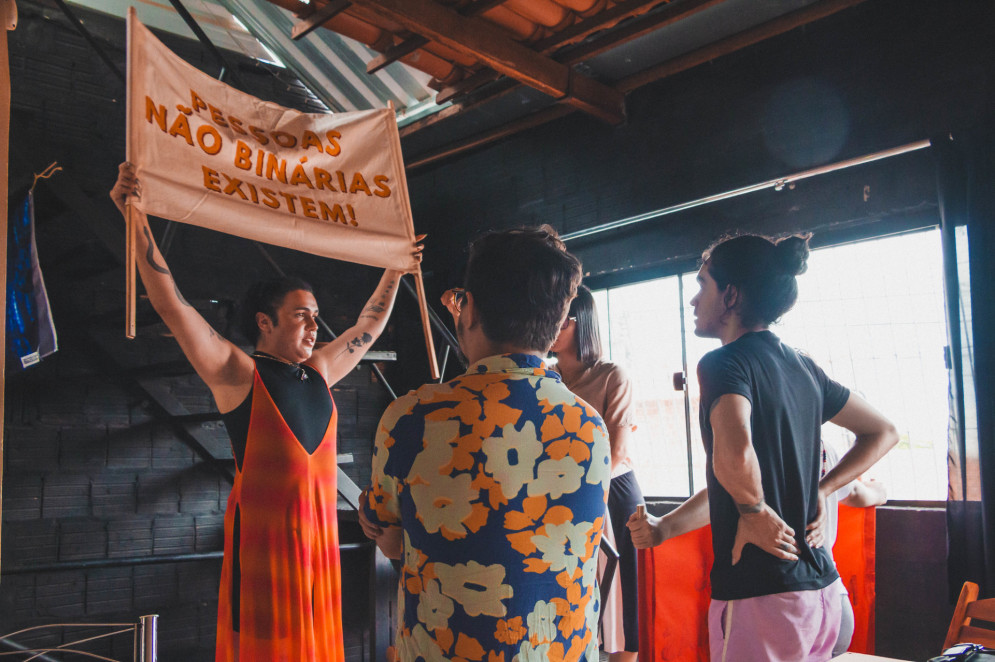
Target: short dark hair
265 297
522 281
588 336
762 269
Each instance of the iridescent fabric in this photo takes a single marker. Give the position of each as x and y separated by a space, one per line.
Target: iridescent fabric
499 479
280 576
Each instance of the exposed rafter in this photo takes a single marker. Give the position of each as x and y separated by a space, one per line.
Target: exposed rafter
488 44
313 21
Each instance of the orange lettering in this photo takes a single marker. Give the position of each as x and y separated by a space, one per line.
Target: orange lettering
307 206
275 166
157 112
208 129
383 191
211 180
310 139
181 128
243 155
323 179
333 148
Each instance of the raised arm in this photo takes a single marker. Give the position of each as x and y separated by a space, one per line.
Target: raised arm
737 468
225 368
338 357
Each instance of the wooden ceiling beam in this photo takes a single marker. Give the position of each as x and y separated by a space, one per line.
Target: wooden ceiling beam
602 21
492 47
725 46
411 44
638 28
318 18
395 53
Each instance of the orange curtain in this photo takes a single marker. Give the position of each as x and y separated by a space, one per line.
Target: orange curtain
673 602
854 554
675 590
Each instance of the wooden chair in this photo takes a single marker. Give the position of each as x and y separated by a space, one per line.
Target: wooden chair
962 628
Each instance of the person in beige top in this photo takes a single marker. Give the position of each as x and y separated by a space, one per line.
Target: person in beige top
606 387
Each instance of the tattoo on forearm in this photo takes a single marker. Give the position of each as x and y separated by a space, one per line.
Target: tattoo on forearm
150 258
179 296
150 255
358 343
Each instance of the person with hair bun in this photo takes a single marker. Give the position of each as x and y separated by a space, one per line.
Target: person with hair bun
607 388
774 586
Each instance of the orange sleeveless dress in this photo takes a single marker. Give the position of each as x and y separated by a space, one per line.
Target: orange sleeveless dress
283 575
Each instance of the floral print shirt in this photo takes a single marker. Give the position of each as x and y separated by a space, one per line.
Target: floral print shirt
499 480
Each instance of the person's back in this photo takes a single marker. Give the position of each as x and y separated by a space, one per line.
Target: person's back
502 506
790 399
492 487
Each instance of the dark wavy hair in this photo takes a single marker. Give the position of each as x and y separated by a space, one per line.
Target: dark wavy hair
762 269
588 336
265 297
522 281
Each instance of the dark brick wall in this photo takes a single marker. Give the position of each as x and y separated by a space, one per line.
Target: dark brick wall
91 475
92 471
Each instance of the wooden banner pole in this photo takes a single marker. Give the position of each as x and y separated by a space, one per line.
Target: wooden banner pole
129 275
129 214
8 21
433 362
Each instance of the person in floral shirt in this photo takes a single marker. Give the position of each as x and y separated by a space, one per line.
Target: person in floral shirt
492 486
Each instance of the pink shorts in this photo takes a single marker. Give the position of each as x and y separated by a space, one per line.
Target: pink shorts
784 627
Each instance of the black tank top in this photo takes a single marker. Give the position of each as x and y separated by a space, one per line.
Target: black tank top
305 404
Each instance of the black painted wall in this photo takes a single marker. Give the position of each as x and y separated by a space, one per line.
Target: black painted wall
882 74
93 474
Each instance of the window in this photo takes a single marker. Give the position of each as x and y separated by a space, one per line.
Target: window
870 313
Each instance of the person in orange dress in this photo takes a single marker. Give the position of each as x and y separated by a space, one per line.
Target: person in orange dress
280 596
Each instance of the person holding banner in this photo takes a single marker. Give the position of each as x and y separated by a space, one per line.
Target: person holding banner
280 596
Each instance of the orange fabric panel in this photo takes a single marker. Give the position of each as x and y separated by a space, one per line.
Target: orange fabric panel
855 557
674 596
675 589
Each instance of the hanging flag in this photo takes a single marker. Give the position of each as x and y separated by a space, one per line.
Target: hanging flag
30 331
209 155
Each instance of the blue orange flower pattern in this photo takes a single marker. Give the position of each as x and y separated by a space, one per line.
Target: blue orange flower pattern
499 479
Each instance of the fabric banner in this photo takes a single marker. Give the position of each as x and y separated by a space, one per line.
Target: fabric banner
675 589
30 331
206 154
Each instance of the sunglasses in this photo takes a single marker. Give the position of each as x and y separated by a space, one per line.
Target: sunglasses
459 296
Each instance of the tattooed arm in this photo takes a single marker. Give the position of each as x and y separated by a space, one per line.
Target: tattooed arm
225 368
338 357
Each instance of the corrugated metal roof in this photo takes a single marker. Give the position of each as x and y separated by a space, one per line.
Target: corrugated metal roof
332 66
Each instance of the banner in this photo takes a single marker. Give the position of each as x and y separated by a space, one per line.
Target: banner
206 154
30 331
